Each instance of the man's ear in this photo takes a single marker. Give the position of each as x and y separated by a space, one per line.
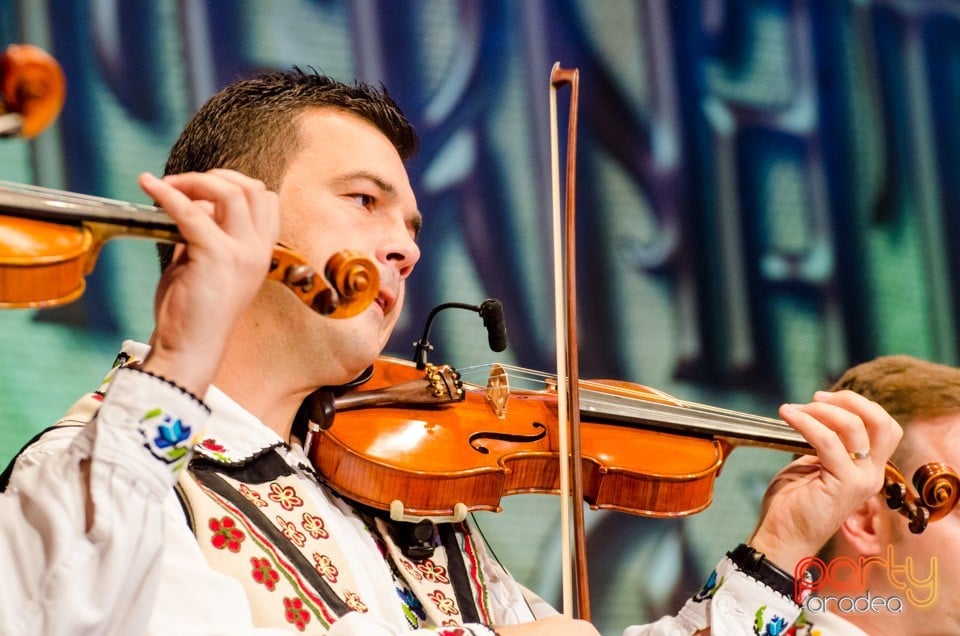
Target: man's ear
865 530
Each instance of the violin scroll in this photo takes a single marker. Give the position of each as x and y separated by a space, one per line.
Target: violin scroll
351 281
33 89
355 279
938 487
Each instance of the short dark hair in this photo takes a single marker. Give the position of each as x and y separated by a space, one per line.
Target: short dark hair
252 125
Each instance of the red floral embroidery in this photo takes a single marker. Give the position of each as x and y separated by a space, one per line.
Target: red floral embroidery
226 534
295 613
325 567
314 526
412 569
290 531
352 600
286 496
264 573
211 444
445 604
252 496
433 572
457 631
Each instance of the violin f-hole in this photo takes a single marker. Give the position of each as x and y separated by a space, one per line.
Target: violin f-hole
477 437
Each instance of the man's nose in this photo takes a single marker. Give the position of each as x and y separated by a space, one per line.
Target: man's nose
401 252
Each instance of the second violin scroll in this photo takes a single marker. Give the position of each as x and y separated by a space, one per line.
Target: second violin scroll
32 90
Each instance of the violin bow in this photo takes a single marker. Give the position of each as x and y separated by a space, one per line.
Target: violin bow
568 375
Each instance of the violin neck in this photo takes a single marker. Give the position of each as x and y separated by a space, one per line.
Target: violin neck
737 429
106 217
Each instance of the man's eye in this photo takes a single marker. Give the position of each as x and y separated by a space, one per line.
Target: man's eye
363 199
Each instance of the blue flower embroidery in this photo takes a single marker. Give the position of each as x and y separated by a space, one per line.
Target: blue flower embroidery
171 435
709 588
412 602
775 627
166 440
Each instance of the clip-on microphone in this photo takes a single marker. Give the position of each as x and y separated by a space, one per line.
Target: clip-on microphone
491 310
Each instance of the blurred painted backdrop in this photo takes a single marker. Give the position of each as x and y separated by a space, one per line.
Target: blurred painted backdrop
767 194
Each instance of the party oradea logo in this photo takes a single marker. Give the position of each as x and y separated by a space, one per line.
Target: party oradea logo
846 580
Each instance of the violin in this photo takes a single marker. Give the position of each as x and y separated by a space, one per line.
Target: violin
51 240
443 447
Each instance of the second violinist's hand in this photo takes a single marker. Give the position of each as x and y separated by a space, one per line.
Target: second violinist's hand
551 626
230 224
808 500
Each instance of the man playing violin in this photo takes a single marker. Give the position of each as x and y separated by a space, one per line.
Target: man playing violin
874 576
254 542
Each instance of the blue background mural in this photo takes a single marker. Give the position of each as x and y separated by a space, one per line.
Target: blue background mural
766 195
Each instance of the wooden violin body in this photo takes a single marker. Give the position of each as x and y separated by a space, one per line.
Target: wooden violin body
441 462
428 445
41 264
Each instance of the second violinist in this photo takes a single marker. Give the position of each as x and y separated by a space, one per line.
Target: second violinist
254 540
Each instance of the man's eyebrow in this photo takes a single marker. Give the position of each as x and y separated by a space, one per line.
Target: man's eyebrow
361 175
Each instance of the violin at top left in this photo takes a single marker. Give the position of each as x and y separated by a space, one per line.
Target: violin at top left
33 89
50 239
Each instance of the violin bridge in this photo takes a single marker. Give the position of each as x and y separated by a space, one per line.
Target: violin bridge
498 390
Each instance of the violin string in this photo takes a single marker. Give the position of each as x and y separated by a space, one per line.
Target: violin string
716 420
600 394
546 380
76 198
45 193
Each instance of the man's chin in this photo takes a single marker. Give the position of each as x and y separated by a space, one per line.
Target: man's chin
361 360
